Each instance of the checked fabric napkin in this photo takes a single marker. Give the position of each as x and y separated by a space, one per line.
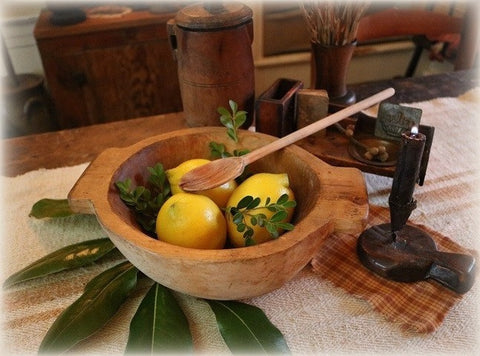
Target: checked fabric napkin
419 306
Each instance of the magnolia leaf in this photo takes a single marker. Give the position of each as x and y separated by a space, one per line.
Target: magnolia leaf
159 325
51 208
68 257
100 300
246 328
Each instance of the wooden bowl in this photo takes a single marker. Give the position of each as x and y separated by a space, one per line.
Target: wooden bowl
328 199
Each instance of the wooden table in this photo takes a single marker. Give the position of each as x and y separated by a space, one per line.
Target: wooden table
313 314
334 147
74 146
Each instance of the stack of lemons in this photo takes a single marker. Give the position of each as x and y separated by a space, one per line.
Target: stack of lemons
197 220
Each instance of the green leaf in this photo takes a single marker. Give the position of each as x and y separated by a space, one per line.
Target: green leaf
241 227
51 208
101 299
246 328
290 204
232 134
223 111
279 216
145 202
240 118
285 226
272 229
254 203
233 106
249 241
158 179
159 325
68 257
244 202
261 219
241 152
124 186
141 190
237 218
227 122
282 199
218 150
273 208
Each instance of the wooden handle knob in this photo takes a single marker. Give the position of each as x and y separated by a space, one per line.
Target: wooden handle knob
455 271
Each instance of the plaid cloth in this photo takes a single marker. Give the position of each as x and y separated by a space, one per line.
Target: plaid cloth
419 306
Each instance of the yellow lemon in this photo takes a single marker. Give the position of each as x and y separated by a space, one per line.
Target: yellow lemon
219 194
191 220
263 186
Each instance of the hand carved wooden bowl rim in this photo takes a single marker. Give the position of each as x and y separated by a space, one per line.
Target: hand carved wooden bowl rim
329 199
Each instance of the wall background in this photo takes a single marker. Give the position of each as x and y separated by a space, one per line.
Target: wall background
18 20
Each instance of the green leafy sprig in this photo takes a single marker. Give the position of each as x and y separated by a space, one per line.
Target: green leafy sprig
232 120
247 208
146 201
218 150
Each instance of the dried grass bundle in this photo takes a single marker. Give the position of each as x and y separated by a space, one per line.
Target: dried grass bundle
333 23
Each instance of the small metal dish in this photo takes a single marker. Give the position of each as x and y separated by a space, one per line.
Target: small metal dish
357 151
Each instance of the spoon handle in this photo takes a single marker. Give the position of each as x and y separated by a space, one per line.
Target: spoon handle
317 126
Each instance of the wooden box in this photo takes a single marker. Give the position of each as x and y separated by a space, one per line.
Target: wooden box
275 108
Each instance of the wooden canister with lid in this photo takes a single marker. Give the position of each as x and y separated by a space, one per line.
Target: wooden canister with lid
212 46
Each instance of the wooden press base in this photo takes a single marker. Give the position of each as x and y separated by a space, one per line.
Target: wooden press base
411 255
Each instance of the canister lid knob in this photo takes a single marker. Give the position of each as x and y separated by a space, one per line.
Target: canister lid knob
213 15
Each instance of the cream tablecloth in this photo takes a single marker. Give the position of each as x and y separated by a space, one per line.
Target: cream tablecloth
314 316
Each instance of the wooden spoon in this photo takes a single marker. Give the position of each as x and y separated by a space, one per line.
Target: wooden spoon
220 171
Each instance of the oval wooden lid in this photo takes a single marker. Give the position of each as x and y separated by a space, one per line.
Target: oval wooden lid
213 15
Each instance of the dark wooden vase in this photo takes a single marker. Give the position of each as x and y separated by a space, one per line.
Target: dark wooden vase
329 71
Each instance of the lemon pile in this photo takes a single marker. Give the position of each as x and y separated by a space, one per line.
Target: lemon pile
197 220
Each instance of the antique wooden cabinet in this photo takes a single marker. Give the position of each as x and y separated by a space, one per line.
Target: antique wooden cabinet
109 69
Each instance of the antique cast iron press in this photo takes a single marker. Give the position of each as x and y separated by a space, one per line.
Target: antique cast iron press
405 253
